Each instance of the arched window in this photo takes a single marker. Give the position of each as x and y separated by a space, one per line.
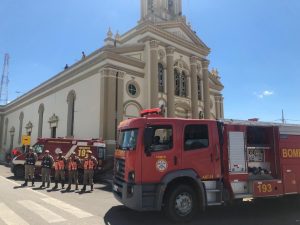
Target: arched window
199 88
177 82
41 117
5 131
161 78
12 135
183 82
71 113
21 118
180 83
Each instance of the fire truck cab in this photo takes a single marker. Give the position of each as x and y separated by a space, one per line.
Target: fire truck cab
67 146
184 165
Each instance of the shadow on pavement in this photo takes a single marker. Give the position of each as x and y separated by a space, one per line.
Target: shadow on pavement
281 211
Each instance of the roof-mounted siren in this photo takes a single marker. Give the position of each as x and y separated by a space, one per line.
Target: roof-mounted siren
155 112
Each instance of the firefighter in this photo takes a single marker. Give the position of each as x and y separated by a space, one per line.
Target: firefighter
47 163
30 160
73 164
89 164
59 165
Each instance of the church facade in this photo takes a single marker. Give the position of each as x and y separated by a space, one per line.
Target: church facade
159 62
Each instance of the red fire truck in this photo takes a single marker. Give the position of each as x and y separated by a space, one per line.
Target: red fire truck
67 146
181 166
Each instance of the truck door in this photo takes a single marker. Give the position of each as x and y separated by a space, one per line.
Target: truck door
163 155
201 149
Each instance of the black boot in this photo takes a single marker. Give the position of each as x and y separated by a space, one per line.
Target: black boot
92 187
32 182
48 184
62 185
55 187
25 183
76 187
68 188
84 188
43 185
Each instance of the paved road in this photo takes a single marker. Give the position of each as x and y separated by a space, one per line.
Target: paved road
23 206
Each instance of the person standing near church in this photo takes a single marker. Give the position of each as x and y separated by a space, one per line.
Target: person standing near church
47 163
59 165
89 164
73 163
30 160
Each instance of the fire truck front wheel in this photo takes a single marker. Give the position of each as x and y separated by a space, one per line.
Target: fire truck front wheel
181 203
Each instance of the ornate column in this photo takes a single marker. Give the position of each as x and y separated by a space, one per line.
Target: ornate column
217 105
206 93
194 88
221 107
112 99
170 82
154 73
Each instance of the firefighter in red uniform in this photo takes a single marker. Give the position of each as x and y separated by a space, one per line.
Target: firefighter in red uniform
73 164
89 164
47 163
59 165
30 160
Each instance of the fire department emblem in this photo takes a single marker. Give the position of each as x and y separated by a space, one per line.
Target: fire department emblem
161 165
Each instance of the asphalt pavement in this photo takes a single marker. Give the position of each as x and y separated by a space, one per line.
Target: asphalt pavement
30 205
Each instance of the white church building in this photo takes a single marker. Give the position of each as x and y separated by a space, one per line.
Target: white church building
161 61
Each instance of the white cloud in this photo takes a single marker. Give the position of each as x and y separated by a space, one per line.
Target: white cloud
264 94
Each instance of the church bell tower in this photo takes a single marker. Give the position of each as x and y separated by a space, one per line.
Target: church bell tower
161 10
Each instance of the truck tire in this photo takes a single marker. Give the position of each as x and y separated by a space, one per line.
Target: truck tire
181 203
19 172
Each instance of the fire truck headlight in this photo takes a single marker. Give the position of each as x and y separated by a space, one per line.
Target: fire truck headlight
131 176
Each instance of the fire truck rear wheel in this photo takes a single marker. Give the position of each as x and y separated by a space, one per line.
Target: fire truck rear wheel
19 172
181 203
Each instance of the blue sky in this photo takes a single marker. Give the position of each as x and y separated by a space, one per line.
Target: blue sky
254 44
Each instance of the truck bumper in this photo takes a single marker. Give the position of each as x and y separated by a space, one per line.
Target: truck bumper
138 197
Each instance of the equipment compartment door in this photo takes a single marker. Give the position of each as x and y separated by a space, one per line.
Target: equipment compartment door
289 180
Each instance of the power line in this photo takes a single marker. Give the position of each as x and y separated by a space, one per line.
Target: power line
4 81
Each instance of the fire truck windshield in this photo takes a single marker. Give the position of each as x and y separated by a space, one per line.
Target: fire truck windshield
127 139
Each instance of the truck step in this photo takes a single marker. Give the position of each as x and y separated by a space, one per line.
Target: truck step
215 203
213 190
246 195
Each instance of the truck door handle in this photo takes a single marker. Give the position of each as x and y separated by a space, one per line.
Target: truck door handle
175 160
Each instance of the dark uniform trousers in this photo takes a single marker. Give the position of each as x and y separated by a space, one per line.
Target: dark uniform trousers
73 176
88 176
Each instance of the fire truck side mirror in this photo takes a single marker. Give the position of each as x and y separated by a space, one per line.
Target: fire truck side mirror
148 140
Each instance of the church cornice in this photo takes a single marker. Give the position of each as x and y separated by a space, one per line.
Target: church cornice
126 48
79 71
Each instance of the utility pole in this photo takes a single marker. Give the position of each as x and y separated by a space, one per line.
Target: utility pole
282 117
4 81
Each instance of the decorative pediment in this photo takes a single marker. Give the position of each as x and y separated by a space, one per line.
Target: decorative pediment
53 120
12 130
29 126
184 32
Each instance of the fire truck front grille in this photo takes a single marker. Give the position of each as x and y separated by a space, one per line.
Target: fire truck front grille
120 170
119 176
